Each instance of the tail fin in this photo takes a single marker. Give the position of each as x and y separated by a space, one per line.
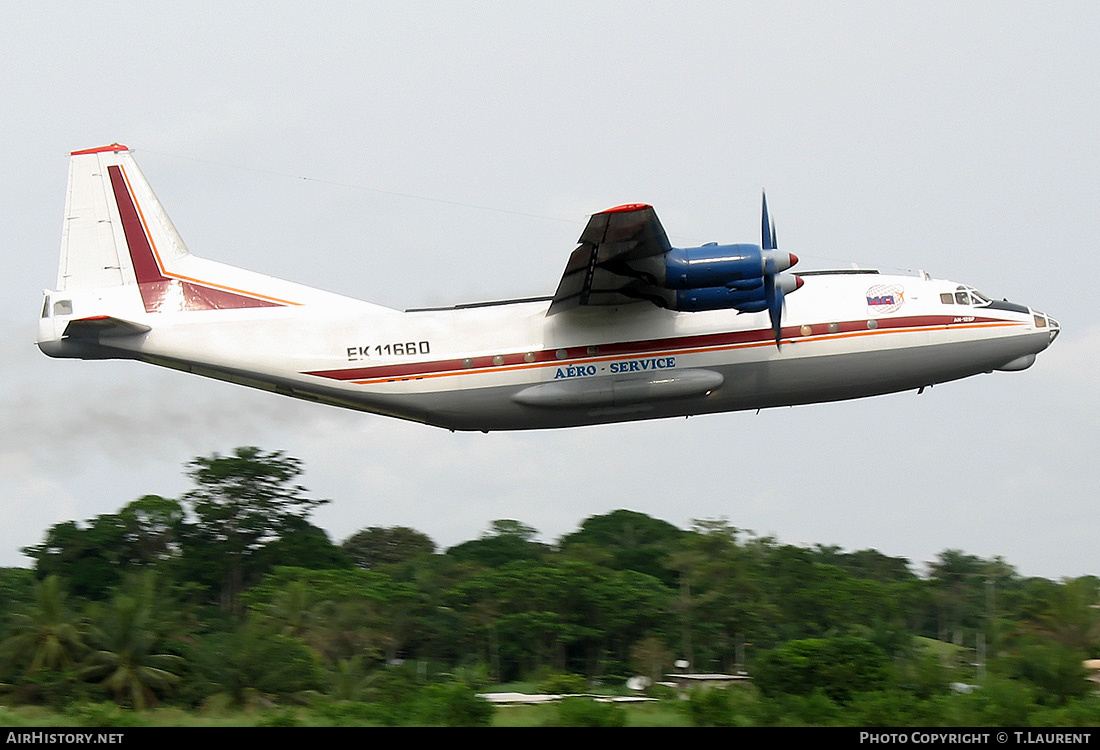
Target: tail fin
117 234
107 192
123 265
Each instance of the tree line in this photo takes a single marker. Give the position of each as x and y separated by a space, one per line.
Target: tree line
230 595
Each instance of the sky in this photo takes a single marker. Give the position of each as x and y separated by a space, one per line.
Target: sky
419 154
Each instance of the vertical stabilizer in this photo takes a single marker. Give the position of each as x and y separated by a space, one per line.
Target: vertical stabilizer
106 189
125 273
117 233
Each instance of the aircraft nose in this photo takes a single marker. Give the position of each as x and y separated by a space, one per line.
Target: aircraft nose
1055 329
1045 321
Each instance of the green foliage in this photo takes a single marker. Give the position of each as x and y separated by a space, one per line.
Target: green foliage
252 606
45 635
348 679
1081 712
893 707
626 540
710 707
999 702
346 713
720 602
89 559
152 529
1066 613
125 658
587 712
528 614
94 558
815 709
396 696
243 502
816 599
341 614
16 589
300 544
963 592
103 715
561 683
250 663
280 718
867 563
330 585
375 545
452 705
392 694
650 658
922 673
56 688
1055 670
507 541
837 666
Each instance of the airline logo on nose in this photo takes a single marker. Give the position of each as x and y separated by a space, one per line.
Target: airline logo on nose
884 298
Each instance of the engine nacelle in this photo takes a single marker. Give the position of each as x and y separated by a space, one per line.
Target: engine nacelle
740 266
727 298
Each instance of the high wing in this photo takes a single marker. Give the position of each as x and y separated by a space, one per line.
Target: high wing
625 256
620 260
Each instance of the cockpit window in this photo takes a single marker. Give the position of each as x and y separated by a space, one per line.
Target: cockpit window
965 296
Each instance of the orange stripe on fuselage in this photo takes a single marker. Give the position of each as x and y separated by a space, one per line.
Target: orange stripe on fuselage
681 351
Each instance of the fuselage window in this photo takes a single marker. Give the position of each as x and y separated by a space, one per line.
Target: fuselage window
947 299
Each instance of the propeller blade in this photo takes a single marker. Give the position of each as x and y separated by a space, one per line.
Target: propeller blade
775 311
767 229
773 292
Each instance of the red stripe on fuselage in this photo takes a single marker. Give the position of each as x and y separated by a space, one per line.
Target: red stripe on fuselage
675 345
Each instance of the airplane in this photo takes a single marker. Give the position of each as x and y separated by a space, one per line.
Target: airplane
637 329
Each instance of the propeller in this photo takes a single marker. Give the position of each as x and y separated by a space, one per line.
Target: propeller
773 292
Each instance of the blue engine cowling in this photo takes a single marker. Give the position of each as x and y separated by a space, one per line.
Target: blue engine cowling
713 266
726 298
723 277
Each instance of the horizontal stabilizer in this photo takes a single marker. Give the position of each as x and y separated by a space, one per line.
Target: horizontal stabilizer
103 326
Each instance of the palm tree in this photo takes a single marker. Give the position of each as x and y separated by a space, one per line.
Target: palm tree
124 660
46 635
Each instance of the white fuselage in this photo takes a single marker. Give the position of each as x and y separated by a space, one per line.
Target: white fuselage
504 366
